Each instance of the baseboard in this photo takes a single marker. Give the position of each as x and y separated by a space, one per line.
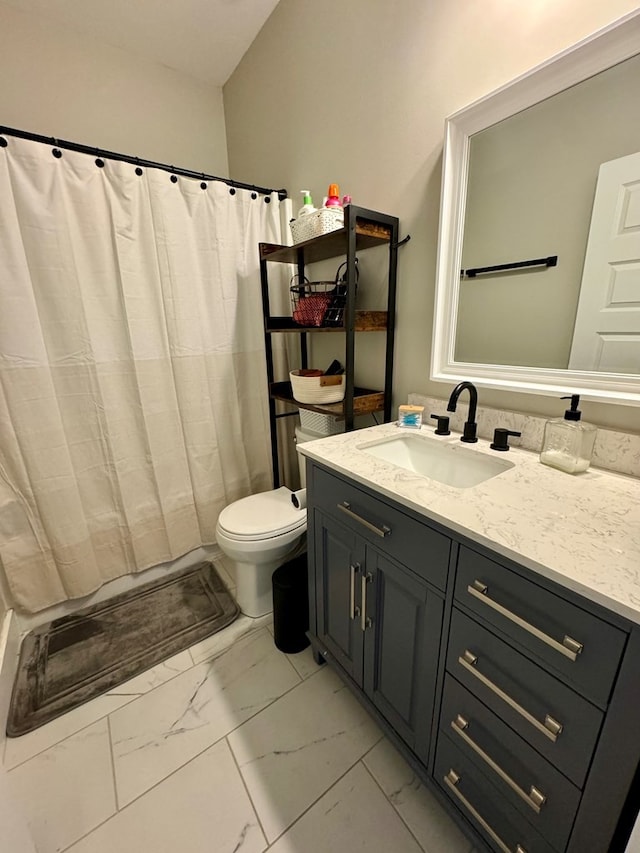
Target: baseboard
9 647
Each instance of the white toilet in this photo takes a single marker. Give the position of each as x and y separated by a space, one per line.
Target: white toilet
260 533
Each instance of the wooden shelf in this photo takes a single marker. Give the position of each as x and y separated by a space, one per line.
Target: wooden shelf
365 321
368 234
365 401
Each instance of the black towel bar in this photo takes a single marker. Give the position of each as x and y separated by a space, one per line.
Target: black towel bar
551 261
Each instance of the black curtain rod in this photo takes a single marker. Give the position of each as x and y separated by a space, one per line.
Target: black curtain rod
135 161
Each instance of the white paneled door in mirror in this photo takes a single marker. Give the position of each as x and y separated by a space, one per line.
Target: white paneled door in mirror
606 335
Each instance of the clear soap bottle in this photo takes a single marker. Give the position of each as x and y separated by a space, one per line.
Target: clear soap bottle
568 441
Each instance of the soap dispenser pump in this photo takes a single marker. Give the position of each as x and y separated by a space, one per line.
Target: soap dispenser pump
568 441
307 206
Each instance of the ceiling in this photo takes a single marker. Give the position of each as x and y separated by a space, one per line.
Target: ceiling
205 39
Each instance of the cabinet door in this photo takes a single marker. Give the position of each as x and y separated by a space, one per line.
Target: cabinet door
402 641
338 563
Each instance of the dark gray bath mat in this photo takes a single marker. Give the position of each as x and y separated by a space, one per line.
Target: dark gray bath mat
74 659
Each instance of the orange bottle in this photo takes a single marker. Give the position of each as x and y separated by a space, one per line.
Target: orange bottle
333 196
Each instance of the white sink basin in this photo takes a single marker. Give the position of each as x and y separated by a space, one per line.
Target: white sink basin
450 464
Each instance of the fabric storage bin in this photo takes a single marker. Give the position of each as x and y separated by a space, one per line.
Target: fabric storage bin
317 389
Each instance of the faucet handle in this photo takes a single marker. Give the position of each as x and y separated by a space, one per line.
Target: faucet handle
501 438
443 424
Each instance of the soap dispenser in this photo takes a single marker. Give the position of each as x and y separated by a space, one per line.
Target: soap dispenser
307 206
568 442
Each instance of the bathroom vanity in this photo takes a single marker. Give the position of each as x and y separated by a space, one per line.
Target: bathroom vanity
493 630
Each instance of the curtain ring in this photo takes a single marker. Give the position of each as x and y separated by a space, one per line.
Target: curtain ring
138 169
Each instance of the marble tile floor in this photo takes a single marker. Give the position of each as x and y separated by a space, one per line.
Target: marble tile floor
229 746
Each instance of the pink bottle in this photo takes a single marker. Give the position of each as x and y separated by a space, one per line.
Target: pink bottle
333 196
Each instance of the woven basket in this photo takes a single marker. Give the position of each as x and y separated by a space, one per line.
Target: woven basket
312 225
317 389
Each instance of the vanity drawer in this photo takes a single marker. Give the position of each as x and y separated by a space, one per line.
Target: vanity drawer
554 719
523 778
502 826
408 540
582 648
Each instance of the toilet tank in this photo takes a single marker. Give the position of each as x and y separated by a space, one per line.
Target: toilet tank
303 435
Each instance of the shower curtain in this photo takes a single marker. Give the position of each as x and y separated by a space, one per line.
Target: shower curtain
133 399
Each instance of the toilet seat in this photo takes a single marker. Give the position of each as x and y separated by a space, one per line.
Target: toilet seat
263 516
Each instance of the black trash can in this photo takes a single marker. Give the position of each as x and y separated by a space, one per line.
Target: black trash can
291 606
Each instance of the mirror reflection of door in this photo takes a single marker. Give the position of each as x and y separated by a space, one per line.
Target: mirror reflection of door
607 330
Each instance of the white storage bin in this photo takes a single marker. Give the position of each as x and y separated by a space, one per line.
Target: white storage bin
320 424
312 225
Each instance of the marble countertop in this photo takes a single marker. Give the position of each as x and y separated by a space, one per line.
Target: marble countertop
582 531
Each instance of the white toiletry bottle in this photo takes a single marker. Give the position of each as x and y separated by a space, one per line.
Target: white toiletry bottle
568 442
307 207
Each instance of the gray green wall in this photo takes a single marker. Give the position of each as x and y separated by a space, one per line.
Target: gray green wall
357 93
58 82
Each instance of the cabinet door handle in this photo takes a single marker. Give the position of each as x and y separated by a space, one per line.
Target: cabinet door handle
535 799
354 611
569 647
382 531
550 728
451 781
366 578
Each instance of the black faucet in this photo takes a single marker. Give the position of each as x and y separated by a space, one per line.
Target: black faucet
469 430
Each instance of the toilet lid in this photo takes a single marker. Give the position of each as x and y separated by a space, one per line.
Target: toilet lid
263 515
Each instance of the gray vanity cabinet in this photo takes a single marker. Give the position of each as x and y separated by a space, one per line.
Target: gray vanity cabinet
403 623
380 621
515 699
339 556
528 681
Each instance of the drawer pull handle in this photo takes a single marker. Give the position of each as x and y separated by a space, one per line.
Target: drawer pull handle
353 609
364 580
550 728
451 781
535 799
383 531
569 647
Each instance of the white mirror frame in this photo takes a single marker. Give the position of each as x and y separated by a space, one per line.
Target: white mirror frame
605 48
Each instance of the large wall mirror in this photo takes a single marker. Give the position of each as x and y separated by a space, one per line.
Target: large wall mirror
542 181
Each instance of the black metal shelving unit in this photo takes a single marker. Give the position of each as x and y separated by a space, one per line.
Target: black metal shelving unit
363 229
